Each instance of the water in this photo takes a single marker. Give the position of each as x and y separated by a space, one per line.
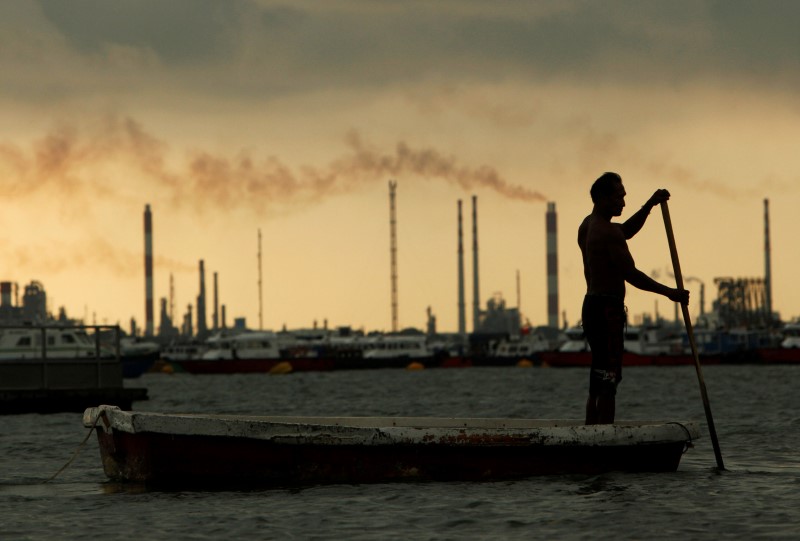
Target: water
755 410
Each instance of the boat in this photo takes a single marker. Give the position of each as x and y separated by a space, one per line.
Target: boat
51 369
137 356
206 450
29 342
788 351
271 352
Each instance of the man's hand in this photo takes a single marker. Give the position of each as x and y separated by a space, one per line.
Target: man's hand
658 197
679 295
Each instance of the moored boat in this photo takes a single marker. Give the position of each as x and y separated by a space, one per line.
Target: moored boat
51 369
183 450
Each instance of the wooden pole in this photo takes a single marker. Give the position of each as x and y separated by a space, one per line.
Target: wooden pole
679 281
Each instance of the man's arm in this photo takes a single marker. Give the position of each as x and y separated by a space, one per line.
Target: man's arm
640 280
634 224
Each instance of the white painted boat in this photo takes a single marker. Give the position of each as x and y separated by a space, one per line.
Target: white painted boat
232 450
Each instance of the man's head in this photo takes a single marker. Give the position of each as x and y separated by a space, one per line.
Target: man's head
608 192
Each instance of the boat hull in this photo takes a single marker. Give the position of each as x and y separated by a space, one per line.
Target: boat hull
207 450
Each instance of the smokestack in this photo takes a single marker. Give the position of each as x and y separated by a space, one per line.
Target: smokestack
393 251
148 272
767 262
215 317
5 294
476 295
201 304
552 266
462 325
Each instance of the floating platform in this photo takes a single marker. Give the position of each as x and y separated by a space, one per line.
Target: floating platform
66 400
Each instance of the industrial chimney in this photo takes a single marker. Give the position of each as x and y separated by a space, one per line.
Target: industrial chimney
202 329
215 316
552 266
462 324
148 272
476 295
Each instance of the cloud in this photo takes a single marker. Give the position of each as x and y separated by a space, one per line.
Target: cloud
260 50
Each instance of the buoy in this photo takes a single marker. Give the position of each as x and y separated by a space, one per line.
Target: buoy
415 366
283 367
167 369
524 363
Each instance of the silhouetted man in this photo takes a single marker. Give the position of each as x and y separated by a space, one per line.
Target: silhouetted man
607 265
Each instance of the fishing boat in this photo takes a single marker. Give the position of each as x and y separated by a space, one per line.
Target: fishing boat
185 450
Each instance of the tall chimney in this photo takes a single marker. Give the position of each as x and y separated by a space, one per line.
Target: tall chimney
148 272
462 324
5 293
767 262
202 329
215 317
552 266
476 295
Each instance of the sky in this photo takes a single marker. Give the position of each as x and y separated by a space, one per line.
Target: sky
232 117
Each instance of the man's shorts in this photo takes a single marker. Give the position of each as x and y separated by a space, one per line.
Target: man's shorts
604 327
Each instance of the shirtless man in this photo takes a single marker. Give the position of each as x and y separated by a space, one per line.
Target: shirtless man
607 265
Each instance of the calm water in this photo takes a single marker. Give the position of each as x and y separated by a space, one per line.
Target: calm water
756 410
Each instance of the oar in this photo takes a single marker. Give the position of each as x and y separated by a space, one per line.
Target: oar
679 281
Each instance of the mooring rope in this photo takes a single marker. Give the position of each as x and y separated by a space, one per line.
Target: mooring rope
689 444
76 452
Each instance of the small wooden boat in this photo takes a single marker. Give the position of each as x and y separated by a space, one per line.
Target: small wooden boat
190 450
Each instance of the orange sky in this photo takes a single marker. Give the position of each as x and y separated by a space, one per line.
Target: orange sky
292 118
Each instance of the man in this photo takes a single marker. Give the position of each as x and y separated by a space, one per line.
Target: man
607 265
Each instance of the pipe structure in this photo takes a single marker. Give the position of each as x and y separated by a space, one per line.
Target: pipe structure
476 295
148 271
552 266
462 324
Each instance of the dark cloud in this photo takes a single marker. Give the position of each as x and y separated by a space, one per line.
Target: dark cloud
262 48
177 31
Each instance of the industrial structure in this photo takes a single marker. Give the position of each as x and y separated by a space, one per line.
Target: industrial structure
462 320
767 262
552 266
202 328
148 271
393 252
476 295
260 289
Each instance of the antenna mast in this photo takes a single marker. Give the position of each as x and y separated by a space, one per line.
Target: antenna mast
393 250
260 296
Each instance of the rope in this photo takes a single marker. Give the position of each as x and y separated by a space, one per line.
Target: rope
689 444
77 451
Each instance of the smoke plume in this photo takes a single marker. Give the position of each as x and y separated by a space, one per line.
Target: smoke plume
74 164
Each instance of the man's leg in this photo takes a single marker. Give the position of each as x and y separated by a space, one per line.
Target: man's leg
591 410
606 409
